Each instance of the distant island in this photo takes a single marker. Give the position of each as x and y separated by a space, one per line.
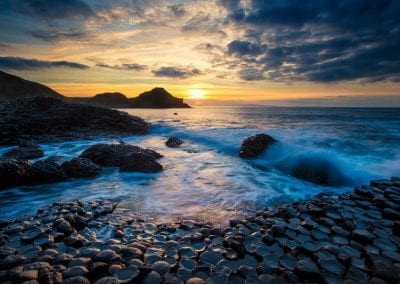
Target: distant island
13 87
155 98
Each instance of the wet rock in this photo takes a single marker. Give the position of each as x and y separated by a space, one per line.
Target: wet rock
161 267
106 256
174 142
76 280
127 157
27 275
46 171
332 266
187 252
255 145
195 280
24 152
81 168
363 236
64 227
152 278
211 257
12 261
107 280
126 275
308 270
75 271
12 172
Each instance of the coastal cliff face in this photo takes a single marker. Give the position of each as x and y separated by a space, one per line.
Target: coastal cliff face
13 87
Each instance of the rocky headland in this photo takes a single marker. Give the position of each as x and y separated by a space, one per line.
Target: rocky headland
155 98
346 238
42 119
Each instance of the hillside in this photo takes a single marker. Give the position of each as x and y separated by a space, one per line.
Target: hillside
13 87
158 98
155 98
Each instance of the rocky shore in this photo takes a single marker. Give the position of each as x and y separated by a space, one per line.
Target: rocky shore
347 238
43 119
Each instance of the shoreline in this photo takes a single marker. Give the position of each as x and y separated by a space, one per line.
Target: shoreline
330 238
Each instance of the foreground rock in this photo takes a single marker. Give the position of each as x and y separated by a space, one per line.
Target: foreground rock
46 171
43 119
25 152
81 168
128 158
173 142
12 172
254 146
347 238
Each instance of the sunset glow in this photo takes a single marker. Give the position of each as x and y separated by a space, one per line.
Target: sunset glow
85 47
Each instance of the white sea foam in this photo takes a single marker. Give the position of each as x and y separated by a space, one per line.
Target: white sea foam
205 178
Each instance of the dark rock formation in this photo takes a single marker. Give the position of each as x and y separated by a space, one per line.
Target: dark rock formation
25 152
12 172
255 145
111 100
127 157
46 171
13 87
48 119
81 168
350 241
174 142
157 98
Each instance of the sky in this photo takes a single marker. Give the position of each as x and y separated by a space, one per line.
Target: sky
279 52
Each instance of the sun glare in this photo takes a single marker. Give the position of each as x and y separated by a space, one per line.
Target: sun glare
196 94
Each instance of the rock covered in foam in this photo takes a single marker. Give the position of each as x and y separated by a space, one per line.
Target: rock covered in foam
254 146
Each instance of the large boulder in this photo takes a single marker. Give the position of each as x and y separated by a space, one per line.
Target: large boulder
127 157
255 145
12 172
81 168
25 152
46 171
173 142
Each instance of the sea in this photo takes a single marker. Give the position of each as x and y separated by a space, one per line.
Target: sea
318 150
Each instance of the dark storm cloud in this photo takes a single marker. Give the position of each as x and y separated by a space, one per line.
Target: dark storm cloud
176 72
126 66
18 63
322 41
50 9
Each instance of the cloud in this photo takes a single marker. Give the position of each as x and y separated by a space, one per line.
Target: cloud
18 63
50 9
318 41
240 48
125 66
176 72
54 35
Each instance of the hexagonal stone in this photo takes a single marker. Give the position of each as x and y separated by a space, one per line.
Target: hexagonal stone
75 271
363 236
187 252
126 275
332 265
308 270
211 257
161 267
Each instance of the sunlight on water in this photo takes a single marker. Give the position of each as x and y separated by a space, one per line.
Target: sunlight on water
205 179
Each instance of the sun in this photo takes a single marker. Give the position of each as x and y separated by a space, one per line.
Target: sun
196 94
